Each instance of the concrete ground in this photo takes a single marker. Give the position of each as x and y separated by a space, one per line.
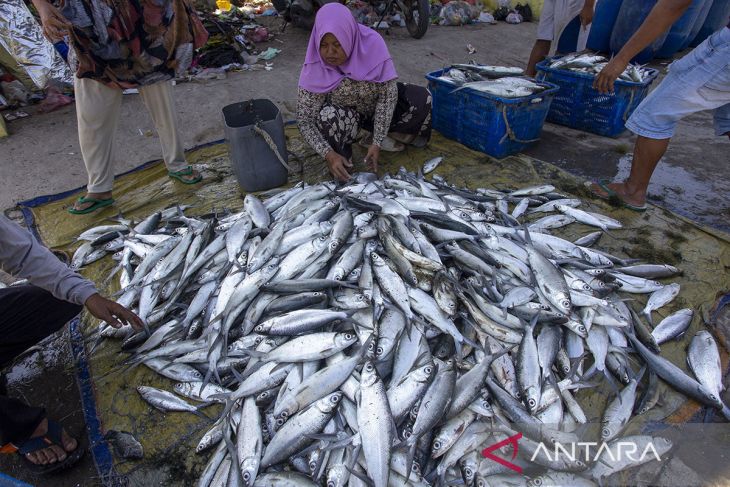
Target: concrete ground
42 157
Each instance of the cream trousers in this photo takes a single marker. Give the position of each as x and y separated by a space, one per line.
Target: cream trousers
97 114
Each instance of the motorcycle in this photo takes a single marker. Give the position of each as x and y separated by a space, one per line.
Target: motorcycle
301 13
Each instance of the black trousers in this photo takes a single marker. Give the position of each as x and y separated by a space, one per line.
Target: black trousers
28 314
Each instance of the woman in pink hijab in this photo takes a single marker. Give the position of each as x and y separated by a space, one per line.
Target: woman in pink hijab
348 82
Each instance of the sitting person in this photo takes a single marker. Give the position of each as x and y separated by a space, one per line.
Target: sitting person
348 82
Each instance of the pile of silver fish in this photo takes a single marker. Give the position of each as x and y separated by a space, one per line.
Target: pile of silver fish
387 331
593 64
501 81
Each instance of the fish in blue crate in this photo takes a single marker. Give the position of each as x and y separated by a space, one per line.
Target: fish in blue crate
464 73
510 87
593 64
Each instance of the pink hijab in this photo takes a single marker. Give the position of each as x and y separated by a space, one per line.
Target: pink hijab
368 58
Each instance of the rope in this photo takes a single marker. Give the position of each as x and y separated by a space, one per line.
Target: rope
631 102
510 133
270 142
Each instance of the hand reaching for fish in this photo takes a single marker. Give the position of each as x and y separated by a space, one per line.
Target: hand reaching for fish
338 165
113 313
371 159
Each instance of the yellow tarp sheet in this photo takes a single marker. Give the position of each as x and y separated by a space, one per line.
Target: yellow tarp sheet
169 439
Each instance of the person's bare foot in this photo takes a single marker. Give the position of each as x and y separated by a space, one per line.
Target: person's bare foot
622 192
78 206
53 453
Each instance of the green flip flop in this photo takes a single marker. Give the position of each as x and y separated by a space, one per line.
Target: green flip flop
185 172
603 184
97 203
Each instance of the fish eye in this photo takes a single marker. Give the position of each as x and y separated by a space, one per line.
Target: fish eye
335 399
605 432
369 367
331 483
531 403
284 414
428 369
565 303
258 328
436 445
279 422
582 329
379 351
246 476
537 481
349 336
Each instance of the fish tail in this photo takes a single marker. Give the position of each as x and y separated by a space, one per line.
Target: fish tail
410 456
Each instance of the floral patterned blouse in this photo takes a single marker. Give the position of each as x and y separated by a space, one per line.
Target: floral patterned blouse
374 101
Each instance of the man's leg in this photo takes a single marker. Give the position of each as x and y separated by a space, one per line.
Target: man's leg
539 52
28 315
545 34
97 116
695 83
647 154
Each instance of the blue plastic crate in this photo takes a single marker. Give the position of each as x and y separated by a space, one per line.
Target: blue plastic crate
487 123
579 106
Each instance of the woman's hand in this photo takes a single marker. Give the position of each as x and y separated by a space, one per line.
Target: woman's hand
371 159
55 25
113 313
338 166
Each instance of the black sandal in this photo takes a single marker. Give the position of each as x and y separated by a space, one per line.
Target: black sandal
52 437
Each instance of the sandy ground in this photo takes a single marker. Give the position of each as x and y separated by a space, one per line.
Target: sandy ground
42 157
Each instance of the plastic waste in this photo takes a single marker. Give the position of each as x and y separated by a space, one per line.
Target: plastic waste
486 18
513 18
269 54
223 5
15 92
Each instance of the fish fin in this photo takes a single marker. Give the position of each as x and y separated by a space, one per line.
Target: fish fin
612 382
410 456
364 478
254 353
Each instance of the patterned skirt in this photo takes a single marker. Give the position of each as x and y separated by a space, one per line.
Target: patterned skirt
412 116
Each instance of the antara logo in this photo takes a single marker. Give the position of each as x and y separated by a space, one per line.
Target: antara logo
512 440
615 452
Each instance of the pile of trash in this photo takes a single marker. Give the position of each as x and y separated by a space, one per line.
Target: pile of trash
390 329
232 45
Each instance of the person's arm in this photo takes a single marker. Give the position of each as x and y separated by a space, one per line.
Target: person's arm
659 20
55 25
586 13
21 255
309 105
384 109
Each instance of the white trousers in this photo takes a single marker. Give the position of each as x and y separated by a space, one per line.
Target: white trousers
555 17
97 115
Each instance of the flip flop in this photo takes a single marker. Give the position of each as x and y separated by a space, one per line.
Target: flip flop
52 437
603 184
97 203
185 172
